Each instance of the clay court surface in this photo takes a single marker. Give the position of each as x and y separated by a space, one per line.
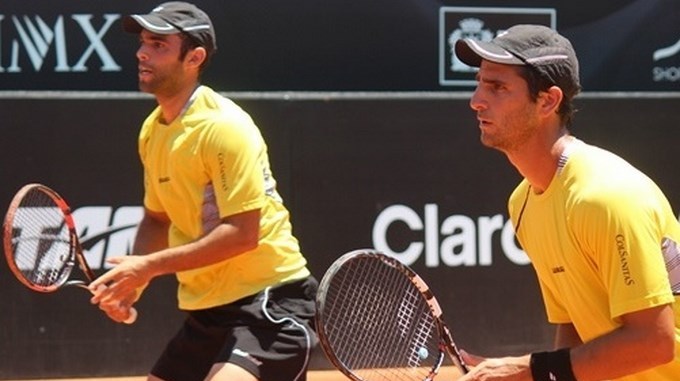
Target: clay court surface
446 374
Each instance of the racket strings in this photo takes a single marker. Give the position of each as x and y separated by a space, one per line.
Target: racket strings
41 242
379 324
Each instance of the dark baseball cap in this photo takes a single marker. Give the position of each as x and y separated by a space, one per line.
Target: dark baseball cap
175 17
536 46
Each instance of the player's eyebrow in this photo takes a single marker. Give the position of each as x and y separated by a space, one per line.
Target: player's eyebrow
154 37
487 80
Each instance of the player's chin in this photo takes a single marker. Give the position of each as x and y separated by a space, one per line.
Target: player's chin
144 86
487 140
146 83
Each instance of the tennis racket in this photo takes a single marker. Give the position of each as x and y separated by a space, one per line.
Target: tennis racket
41 243
378 320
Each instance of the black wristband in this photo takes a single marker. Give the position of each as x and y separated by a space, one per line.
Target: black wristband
552 366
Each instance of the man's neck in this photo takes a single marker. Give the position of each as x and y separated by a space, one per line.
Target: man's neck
174 105
539 160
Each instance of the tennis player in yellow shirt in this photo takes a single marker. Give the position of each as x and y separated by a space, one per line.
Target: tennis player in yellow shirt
598 231
213 218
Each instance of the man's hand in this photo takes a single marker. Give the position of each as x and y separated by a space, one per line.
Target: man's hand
117 290
120 312
130 273
496 369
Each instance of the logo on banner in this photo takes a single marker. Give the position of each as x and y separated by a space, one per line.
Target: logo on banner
32 41
483 24
469 28
457 240
666 73
106 232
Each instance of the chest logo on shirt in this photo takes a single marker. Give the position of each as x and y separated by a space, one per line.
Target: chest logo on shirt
623 259
558 269
165 179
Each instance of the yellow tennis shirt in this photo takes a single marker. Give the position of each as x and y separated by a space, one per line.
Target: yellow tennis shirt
209 163
594 238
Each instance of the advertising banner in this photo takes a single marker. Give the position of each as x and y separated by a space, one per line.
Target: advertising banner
333 45
406 175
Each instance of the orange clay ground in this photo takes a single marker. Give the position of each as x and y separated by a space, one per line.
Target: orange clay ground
447 373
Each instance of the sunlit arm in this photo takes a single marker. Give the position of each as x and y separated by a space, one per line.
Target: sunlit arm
645 340
566 336
236 235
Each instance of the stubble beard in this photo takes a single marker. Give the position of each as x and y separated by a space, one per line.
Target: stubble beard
159 85
515 133
516 130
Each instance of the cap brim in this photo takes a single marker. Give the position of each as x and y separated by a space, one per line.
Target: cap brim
471 52
152 23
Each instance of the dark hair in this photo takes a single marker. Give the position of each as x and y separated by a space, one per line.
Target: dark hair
538 83
188 43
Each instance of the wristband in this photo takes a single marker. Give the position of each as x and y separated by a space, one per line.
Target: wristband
552 366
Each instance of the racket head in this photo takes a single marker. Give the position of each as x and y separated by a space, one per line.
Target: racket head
39 238
375 323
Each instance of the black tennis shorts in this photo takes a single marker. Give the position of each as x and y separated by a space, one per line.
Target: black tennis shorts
269 334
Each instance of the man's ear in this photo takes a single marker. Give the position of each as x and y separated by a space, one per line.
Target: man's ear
197 56
550 100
